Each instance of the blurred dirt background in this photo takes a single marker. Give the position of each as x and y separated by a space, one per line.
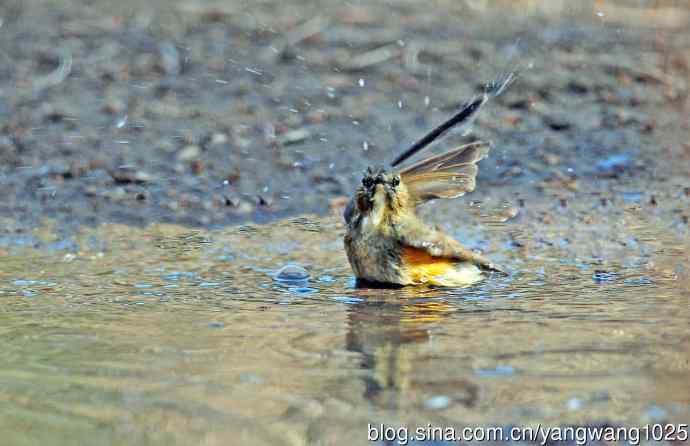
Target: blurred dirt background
217 112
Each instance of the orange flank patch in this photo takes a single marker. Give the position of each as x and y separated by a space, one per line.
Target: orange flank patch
424 268
421 266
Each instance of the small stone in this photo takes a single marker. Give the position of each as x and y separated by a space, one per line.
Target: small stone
165 146
113 106
219 138
294 136
189 153
338 204
316 116
129 176
507 212
197 167
264 201
231 201
551 159
245 207
558 123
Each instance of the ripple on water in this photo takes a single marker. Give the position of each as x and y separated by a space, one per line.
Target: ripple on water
348 299
209 284
548 335
177 275
303 290
601 276
639 281
496 372
27 282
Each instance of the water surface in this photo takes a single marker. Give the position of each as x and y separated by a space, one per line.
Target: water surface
166 335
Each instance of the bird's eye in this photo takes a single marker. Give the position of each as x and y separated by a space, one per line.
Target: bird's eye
367 181
395 181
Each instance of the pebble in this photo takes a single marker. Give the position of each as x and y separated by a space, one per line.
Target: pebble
129 176
294 136
189 153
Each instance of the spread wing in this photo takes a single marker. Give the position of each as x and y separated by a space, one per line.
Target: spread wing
438 245
448 175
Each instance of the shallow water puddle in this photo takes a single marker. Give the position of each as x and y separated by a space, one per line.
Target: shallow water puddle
178 336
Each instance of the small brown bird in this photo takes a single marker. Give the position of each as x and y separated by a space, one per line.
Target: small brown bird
387 243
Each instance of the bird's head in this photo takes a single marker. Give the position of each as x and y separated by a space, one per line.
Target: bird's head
381 193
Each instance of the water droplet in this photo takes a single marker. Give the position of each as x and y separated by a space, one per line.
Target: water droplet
656 413
291 273
122 122
253 71
365 146
437 402
251 378
574 404
632 197
361 82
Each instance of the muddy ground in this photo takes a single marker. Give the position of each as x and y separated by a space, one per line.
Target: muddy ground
211 113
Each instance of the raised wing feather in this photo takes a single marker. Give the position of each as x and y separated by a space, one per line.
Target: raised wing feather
448 175
467 154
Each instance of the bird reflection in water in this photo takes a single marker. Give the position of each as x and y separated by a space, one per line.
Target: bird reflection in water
393 333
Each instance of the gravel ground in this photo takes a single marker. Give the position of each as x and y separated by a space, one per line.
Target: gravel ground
209 114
